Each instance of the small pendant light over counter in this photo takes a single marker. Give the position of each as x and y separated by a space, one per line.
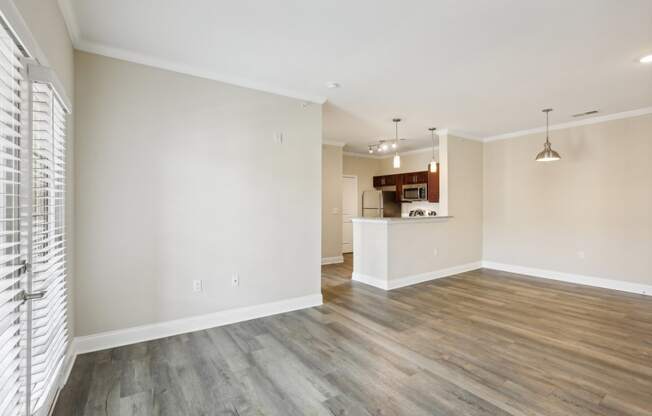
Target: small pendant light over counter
547 154
397 158
433 162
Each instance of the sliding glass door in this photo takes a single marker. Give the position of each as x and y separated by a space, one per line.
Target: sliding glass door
13 241
33 303
48 316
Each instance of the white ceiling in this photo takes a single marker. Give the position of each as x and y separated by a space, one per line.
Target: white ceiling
476 67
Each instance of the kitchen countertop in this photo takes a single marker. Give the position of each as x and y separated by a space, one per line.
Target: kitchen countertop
402 220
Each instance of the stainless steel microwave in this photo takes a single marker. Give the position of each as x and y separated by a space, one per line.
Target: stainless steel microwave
415 192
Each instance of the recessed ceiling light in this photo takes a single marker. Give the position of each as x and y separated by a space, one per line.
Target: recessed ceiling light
332 85
646 59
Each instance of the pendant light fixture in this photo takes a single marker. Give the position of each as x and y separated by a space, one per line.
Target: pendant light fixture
397 158
433 162
547 154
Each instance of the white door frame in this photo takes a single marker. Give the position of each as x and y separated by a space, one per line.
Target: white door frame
355 214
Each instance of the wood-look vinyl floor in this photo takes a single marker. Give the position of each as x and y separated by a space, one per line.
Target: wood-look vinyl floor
479 343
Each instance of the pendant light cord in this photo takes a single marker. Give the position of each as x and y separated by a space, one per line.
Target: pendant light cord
433 145
547 111
396 138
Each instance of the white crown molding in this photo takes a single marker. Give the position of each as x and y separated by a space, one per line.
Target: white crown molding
70 18
112 339
332 260
579 279
584 122
139 58
333 143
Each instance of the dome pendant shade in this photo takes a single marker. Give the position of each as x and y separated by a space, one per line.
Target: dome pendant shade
547 154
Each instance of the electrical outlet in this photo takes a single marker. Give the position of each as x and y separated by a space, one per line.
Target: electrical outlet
278 138
435 252
235 280
196 286
581 255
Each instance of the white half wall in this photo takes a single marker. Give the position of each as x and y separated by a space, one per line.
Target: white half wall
180 179
391 254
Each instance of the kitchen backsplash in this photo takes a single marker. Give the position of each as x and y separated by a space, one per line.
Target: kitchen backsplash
406 207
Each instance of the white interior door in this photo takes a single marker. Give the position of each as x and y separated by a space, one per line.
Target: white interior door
349 210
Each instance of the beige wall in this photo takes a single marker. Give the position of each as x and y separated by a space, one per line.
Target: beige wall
180 178
410 162
45 22
365 169
331 209
596 201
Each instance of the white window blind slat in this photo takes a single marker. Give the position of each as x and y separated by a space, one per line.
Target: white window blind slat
33 339
49 314
11 252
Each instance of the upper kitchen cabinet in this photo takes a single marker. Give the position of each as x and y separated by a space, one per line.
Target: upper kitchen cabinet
385 180
412 178
415 178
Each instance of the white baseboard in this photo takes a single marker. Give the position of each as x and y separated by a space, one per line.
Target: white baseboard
142 333
68 363
416 278
61 378
332 260
572 278
438 274
370 280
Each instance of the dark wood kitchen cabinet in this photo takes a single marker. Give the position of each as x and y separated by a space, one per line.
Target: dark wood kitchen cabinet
433 185
399 188
414 178
385 180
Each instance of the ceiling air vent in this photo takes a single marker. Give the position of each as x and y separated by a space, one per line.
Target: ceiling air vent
587 113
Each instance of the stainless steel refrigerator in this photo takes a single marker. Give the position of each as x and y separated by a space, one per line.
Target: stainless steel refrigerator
380 204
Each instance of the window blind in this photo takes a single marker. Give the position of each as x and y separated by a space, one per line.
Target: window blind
49 317
12 248
34 332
